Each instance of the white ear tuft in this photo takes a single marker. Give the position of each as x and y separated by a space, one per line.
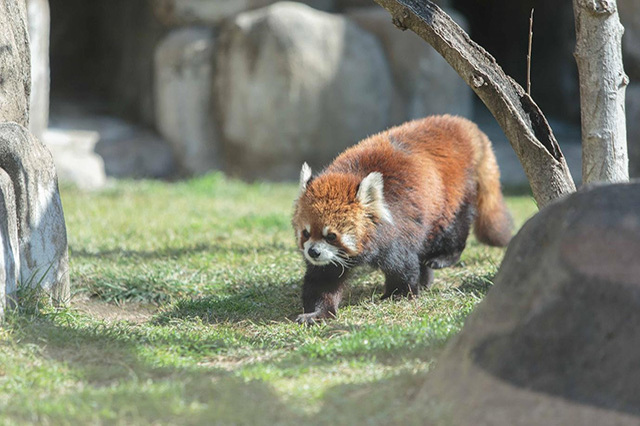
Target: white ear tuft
305 176
371 196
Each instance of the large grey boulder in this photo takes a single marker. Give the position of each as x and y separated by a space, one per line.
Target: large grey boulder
15 73
295 84
42 235
126 149
39 24
131 151
184 98
556 340
9 255
189 12
629 11
75 159
424 83
633 128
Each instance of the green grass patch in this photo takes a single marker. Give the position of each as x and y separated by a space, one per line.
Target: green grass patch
184 296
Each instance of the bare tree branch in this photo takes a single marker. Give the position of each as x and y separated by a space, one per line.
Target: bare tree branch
529 54
520 118
603 85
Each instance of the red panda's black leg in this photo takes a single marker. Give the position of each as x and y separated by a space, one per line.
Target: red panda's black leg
321 293
402 280
426 276
445 248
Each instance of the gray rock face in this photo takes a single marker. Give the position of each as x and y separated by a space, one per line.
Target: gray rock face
182 12
633 128
39 24
184 98
556 340
130 151
425 84
629 11
295 84
15 72
136 154
127 150
74 157
9 256
41 228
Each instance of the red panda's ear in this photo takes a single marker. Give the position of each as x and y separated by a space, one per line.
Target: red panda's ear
371 195
305 177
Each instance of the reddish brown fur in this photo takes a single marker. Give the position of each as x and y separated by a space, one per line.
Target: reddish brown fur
435 170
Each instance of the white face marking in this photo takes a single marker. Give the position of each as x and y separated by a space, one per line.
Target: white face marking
325 231
327 252
349 241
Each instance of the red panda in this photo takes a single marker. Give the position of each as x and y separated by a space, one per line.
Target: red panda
402 201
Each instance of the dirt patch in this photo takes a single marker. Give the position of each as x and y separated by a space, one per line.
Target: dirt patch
133 312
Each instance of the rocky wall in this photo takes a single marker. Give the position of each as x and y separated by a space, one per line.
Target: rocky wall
145 59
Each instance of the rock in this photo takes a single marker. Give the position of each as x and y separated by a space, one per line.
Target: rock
189 12
425 84
9 255
184 98
345 5
293 85
629 11
39 23
133 152
74 157
633 128
127 150
556 339
42 233
14 62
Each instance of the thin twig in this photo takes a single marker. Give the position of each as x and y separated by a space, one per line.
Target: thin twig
529 54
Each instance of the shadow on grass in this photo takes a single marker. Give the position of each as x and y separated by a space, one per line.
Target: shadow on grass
399 400
118 384
264 301
255 303
177 252
477 284
271 302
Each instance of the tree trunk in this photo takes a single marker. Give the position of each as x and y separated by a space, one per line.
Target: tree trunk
33 237
520 118
603 85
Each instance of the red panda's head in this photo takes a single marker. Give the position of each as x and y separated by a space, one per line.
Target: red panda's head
336 213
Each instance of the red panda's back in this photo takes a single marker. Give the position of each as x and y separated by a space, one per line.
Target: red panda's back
429 161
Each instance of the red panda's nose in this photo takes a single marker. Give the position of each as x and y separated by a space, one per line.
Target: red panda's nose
313 253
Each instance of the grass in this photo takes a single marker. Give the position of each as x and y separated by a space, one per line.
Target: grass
183 299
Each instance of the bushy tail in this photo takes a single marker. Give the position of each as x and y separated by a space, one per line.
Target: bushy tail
493 222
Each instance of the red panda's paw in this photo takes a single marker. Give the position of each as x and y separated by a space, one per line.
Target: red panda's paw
314 317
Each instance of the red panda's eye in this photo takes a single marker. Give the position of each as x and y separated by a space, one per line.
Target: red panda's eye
305 233
330 236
